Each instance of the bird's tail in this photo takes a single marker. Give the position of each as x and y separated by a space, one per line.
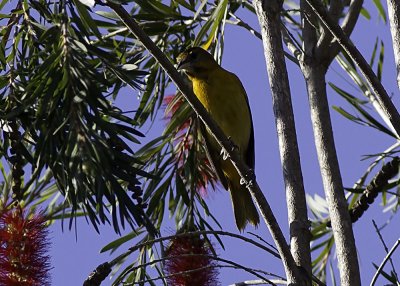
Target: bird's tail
243 207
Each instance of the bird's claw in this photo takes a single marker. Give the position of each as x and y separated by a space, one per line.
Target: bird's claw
224 154
232 144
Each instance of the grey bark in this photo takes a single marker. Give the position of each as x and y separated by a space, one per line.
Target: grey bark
268 13
338 209
394 19
314 65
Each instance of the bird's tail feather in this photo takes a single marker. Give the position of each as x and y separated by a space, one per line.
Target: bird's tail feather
243 206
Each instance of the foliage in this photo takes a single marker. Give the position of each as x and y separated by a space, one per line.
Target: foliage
65 64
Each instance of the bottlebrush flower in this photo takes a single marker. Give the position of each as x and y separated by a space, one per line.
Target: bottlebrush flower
23 249
188 263
187 139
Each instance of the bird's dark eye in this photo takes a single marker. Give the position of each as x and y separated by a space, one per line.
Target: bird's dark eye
193 55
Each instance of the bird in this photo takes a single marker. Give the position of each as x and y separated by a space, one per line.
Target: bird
224 97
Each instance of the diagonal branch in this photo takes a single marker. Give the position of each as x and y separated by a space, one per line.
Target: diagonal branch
351 17
325 45
348 25
382 96
246 174
309 28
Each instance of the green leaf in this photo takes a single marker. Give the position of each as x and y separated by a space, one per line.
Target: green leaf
364 12
157 7
150 85
371 61
201 6
346 114
213 22
109 15
120 241
380 61
86 18
381 9
186 5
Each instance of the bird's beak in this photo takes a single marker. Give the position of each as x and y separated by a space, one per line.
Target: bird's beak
183 64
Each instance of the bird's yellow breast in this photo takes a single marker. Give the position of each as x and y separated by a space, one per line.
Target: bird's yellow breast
224 97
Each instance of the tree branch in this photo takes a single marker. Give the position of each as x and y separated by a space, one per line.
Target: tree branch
329 48
351 17
309 29
382 96
195 255
325 39
268 13
394 19
348 25
246 174
201 232
383 263
314 73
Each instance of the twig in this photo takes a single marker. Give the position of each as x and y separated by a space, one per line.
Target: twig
382 96
194 255
292 44
141 282
193 233
351 17
388 256
239 22
204 232
259 282
246 174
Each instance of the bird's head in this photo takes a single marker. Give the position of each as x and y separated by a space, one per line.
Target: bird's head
196 62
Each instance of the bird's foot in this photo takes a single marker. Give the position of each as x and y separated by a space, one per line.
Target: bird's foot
248 179
224 154
232 146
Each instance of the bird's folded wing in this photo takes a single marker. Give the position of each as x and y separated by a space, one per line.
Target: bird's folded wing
213 155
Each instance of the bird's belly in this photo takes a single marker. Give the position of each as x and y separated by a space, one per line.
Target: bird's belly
231 112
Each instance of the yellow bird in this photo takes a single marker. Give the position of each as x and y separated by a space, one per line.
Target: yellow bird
223 96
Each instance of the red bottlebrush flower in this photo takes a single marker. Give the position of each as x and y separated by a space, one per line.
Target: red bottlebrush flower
172 103
186 139
189 263
23 248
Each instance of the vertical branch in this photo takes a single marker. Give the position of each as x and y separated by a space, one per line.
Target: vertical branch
308 30
268 13
394 19
330 172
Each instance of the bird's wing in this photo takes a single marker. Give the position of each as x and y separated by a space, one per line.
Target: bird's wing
212 155
250 152
250 156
